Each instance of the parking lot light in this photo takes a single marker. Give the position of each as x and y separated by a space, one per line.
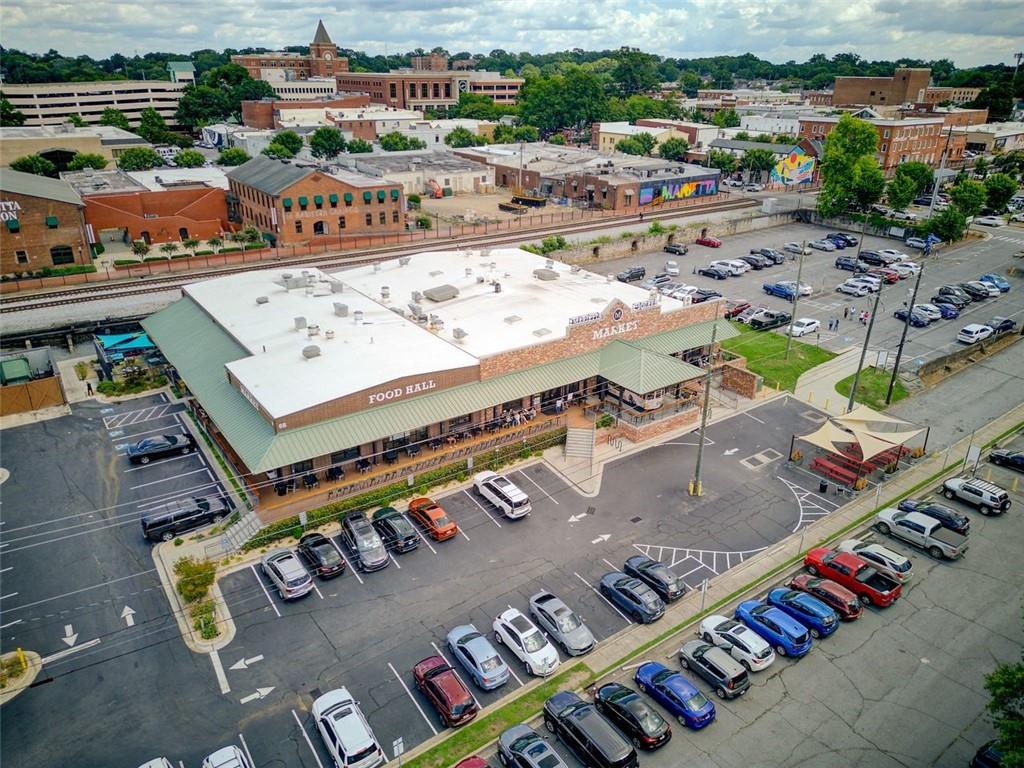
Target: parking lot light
695 487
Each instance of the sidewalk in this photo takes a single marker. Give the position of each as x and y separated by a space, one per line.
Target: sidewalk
817 386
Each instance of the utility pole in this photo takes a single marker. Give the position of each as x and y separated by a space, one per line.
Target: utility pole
903 336
696 489
796 296
864 350
938 178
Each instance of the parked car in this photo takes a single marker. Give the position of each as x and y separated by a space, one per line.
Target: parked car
805 289
905 269
1001 325
917 319
839 243
819 618
894 565
750 312
439 683
477 656
160 447
875 259
742 643
227 757
364 542
733 182
527 643
776 257
930 311
851 264
474 761
769 319
786 635
957 291
703 294
956 302
903 216
987 497
321 555
1003 457
833 594
346 734
654 281
764 260
502 493
676 694
394 530
735 307
634 717
170 519
734 267
782 290
803 326
948 311
796 248
522 747
973 333
978 290
754 187
718 273
921 531
853 287
990 221
592 739
631 274
679 249
822 245
755 262
873 282
946 515
638 601
996 280
666 584
286 574
672 268
709 242
435 521
989 754
886 275
844 236
916 242
727 677
870 586
562 625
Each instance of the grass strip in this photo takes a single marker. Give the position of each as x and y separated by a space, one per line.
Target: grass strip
765 354
872 387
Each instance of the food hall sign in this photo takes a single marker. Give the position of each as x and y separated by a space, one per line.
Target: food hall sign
410 389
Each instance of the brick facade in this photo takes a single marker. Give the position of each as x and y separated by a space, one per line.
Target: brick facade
322 61
899 141
265 114
171 215
904 86
736 378
33 244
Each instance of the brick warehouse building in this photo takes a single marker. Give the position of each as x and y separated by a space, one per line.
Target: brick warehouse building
905 85
320 384
266 114
899 141
293 203
42 224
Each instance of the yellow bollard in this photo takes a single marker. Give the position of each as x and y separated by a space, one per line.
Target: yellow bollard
988 474
22 660
1014 486
810 396
826 403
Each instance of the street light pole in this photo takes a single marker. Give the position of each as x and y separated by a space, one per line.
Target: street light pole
696 489
903 337
864 350
796 296
938 177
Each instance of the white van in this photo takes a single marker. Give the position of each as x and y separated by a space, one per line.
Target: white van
502 493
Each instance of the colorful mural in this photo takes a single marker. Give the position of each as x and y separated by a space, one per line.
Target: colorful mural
794 168
663 191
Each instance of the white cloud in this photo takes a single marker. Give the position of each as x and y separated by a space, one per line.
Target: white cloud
970 32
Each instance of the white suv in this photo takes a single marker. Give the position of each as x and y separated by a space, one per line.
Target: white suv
345 732
748 648
517 633
502 493
227 757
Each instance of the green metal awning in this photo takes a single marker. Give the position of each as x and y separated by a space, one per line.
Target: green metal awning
381 194
13 225
394 194
367 197
303 200
51 222
333 197
688 337
348 197
642 371
318 199
286 202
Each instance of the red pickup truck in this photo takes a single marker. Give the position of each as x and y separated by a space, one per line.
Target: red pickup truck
872 587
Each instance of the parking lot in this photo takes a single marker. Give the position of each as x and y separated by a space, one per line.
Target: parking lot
964 262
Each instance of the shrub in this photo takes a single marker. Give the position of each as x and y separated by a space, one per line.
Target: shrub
98 248
74 269
423 221
204 253
106 388
605 421
126 262
204 619
182 256
154 258
195 577
656 228
297 532
81 370
231 249
413 198
179 541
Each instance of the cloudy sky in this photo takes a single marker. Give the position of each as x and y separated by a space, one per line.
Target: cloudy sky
970 32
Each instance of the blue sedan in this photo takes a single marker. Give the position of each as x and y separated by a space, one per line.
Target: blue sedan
821 620
676 694
994 279
948 311
478 657
786 635
638 601
917 319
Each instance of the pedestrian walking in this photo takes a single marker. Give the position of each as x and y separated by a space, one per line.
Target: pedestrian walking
88 388
846 313
835 326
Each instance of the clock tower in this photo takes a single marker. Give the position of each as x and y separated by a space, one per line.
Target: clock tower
323 55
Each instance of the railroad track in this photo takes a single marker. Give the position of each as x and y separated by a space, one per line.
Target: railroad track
146 285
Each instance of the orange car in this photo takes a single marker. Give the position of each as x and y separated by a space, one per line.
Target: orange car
434 520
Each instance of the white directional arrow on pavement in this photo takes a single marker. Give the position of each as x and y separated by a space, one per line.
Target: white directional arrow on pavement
577 518
128 614
730 451
70 636
261 693
245 663
602 537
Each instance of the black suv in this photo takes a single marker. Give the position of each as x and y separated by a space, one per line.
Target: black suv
631 274
774 256
948 516
756 260
677 248
592 739
851 263
769 319
168 520
396 532
842 236
655 575
363 542
976 294
875 259
628 712
958 292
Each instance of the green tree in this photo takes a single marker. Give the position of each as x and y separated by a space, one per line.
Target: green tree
639 144
981 166
743 136
140 248
152 127
968 197
398 142
557 138
762 138
867 183
201 105
190 244
900 191
278 151
76 120
475 106
189 158
689 82
999 188
139 159
215 242
849 141
527 133
169 248
758 161
233 156
9 116
326 142
726 118
463 137
116 118
1011 163
87 160
785 138
724 161
289 139
359 146
948 224
1005 686
34 164
674 148
998 99
635 71
921 174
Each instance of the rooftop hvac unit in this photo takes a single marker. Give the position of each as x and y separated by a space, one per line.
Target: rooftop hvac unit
311 351
357 317
385 293
549 263
497 287
262 300
300 323
398 311
441 293
341 310
575 268
415 308
337 286
459 334
416 296
403 261
312 330
545 274
328 334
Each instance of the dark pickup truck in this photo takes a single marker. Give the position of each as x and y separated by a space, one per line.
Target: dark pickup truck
850 571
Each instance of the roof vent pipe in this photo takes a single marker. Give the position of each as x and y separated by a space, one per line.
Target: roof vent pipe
358 316
341 310
300 323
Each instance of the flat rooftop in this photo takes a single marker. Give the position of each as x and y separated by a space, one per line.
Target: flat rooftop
417 160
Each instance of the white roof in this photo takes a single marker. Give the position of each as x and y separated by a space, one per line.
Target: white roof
626 129
386 346
162 178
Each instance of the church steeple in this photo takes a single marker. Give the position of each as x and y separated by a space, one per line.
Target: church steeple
321 36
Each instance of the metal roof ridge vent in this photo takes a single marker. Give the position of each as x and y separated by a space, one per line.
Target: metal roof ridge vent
511 319
541 332
459 334
545 274
311 351
260 300
441 293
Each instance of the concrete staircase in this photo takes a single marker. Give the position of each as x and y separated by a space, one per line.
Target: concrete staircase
579 443
236 535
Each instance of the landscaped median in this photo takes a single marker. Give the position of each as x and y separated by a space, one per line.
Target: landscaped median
872 387
766 356
447 748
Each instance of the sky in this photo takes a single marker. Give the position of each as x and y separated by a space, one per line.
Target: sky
970 32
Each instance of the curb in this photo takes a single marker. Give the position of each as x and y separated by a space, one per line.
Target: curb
35 666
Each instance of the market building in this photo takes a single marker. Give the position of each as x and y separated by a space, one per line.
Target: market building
42 222
323 385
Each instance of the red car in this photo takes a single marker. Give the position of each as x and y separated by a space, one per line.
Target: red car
855 574
439 683
433 518
472 762
885 274
734 308
834 595
710 242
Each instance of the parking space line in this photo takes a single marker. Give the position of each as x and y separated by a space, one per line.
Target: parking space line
457 675
246 748
161 461
692 570
422 537
4 597
610 565
164 480
10 624
218 670
393 560
264 588
413 699
120 437
352 569
316 588
745 413
463 533
538 486
481 508
598 593
306 737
